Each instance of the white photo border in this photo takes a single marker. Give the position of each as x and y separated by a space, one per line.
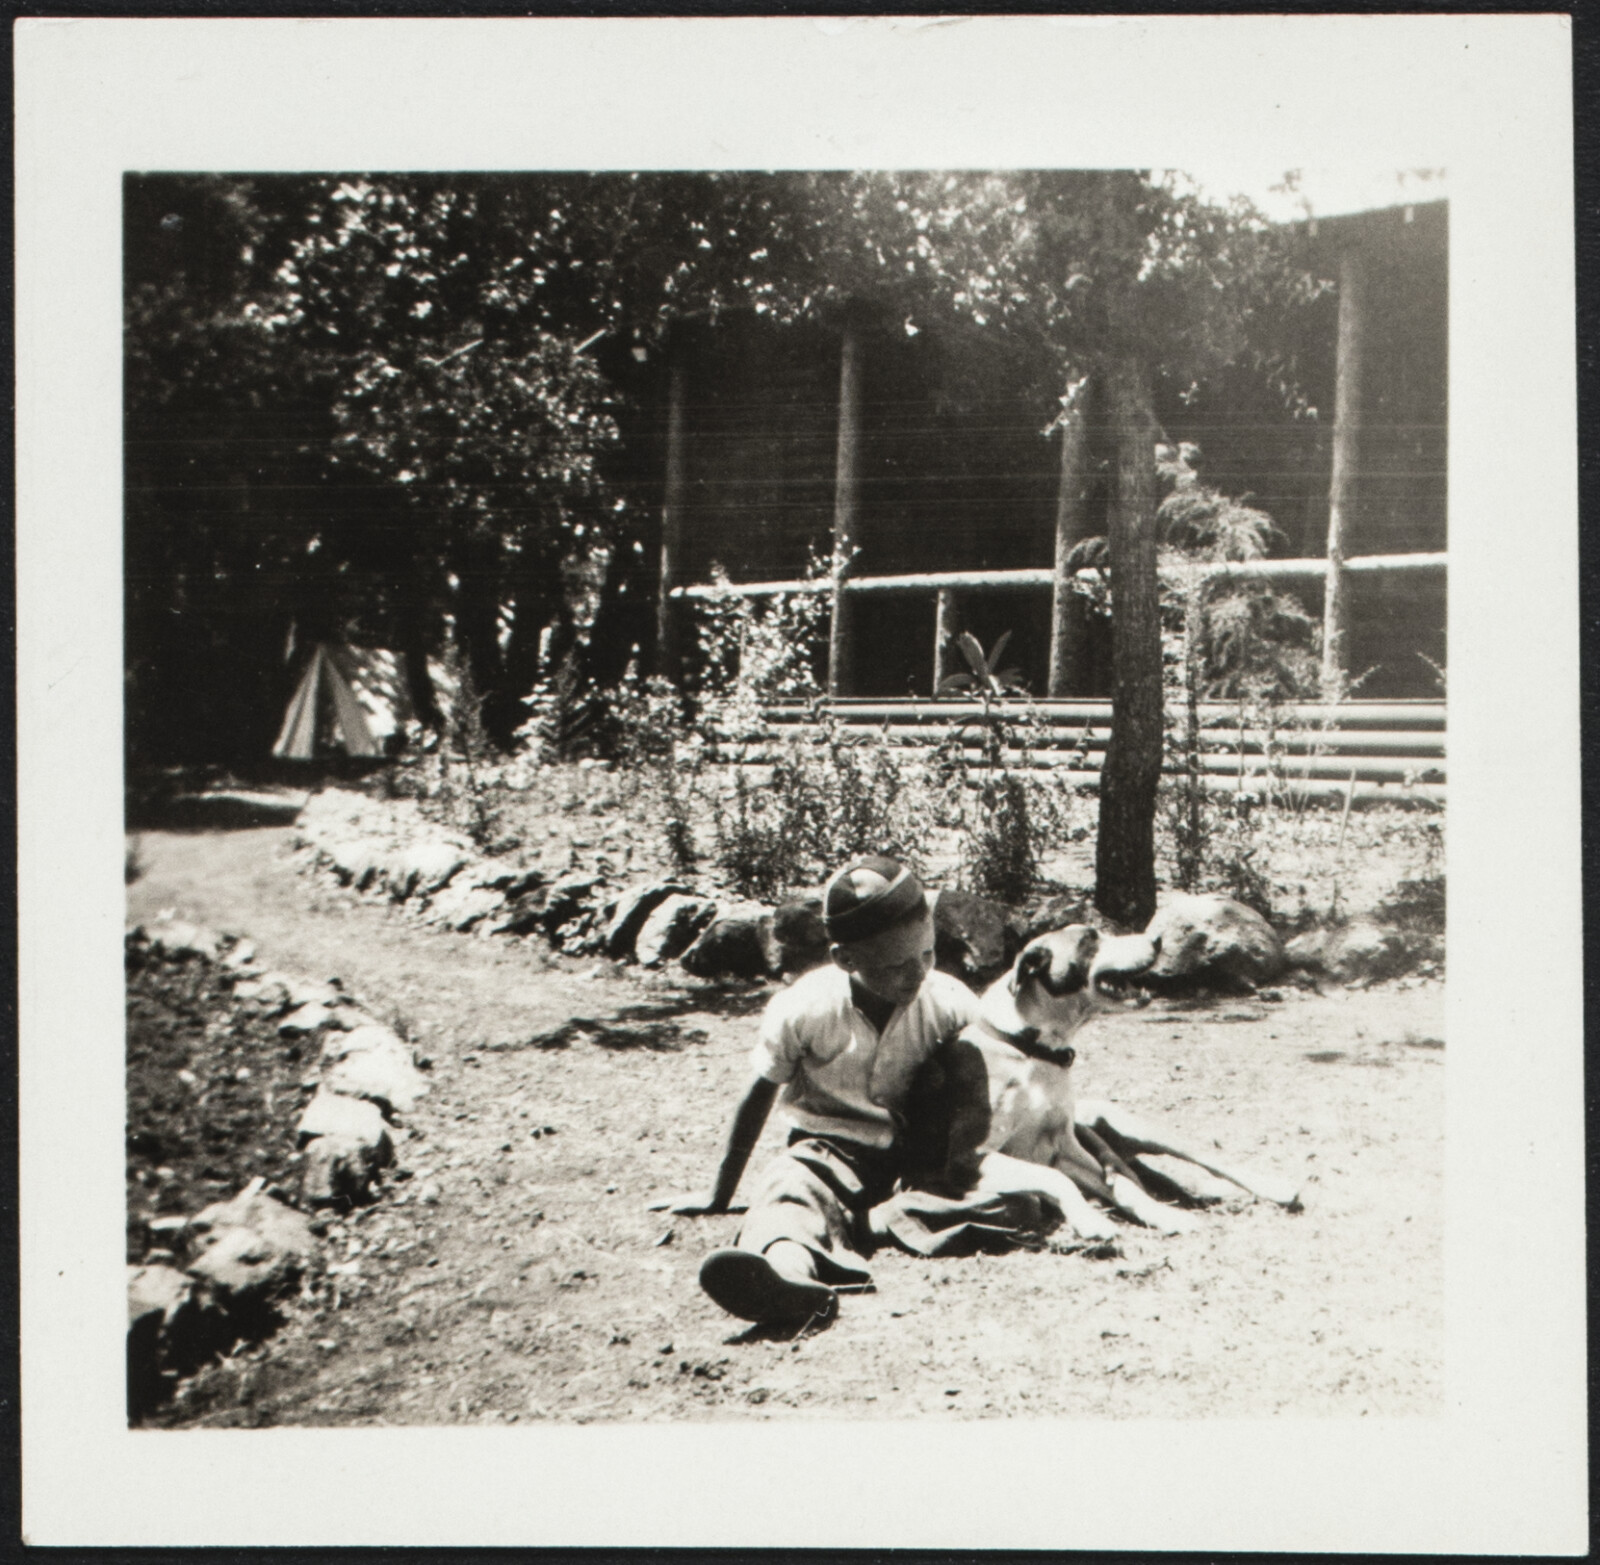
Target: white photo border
1486 96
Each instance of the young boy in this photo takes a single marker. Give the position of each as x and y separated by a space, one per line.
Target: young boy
843 1043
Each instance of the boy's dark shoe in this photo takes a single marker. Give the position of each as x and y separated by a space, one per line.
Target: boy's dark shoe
750 1286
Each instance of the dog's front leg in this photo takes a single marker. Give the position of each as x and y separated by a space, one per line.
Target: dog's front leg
1085 1157
1135 1137
1132 1198
999 1174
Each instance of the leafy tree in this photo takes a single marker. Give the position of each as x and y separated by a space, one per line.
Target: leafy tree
424 306
1134 280
386 405
395 404
222 460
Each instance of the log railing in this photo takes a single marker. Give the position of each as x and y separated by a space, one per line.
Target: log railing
1370 751
1040 576
946 584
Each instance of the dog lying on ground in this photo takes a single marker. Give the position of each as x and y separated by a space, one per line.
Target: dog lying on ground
995 1111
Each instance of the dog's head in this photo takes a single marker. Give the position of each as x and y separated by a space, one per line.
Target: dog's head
1063 978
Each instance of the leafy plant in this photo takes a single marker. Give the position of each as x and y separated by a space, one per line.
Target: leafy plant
991 684
1000 847
760 833
857 796
647 734
1230 638
565 716
1003 817
459 779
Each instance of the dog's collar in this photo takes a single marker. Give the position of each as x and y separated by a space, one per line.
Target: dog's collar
1029 1041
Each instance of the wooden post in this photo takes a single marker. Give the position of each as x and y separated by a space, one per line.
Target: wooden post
1346 460
1068 622
846 503
668 658
946 625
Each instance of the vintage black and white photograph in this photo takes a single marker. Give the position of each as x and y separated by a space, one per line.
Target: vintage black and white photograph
766 795
757 795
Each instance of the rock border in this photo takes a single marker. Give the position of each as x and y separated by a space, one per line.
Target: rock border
387 848
213 1278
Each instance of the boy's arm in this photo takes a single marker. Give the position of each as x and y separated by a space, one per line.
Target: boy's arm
749 1119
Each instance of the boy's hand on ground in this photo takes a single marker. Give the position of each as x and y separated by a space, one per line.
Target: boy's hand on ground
699 1205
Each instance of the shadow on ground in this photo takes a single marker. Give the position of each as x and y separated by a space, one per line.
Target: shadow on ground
654 1025
227 811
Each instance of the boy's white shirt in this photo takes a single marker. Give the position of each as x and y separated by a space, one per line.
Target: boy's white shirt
840 1075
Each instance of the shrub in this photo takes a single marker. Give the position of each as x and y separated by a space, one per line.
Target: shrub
648 737
760 832
857 795
459 780
1000 848
1006 819
752 652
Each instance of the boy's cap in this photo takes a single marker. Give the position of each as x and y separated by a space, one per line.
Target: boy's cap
869 896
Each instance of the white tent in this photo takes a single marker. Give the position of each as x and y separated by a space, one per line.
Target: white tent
353 696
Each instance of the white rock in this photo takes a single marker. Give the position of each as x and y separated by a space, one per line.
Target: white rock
305 992
241 1263
304 1019
1363 949
252 1208
156 1290
358 862
461 906
333 1114
338 1168
179 938
423 867
738 942
367 1036
1209 935
270 991
631 909
391 1083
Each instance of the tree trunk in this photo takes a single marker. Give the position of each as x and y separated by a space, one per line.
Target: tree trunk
1125 865
414 649
625 619
535 589
477 568
1069 625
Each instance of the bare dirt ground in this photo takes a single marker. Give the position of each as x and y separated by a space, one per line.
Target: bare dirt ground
516 1273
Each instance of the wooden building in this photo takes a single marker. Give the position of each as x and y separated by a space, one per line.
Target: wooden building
935 458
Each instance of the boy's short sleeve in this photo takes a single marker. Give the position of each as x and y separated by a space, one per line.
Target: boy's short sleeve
776 1055
955 1005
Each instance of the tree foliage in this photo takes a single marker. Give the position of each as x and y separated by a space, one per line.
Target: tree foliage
404 408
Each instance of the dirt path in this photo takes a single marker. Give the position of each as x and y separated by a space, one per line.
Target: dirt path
517 1275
